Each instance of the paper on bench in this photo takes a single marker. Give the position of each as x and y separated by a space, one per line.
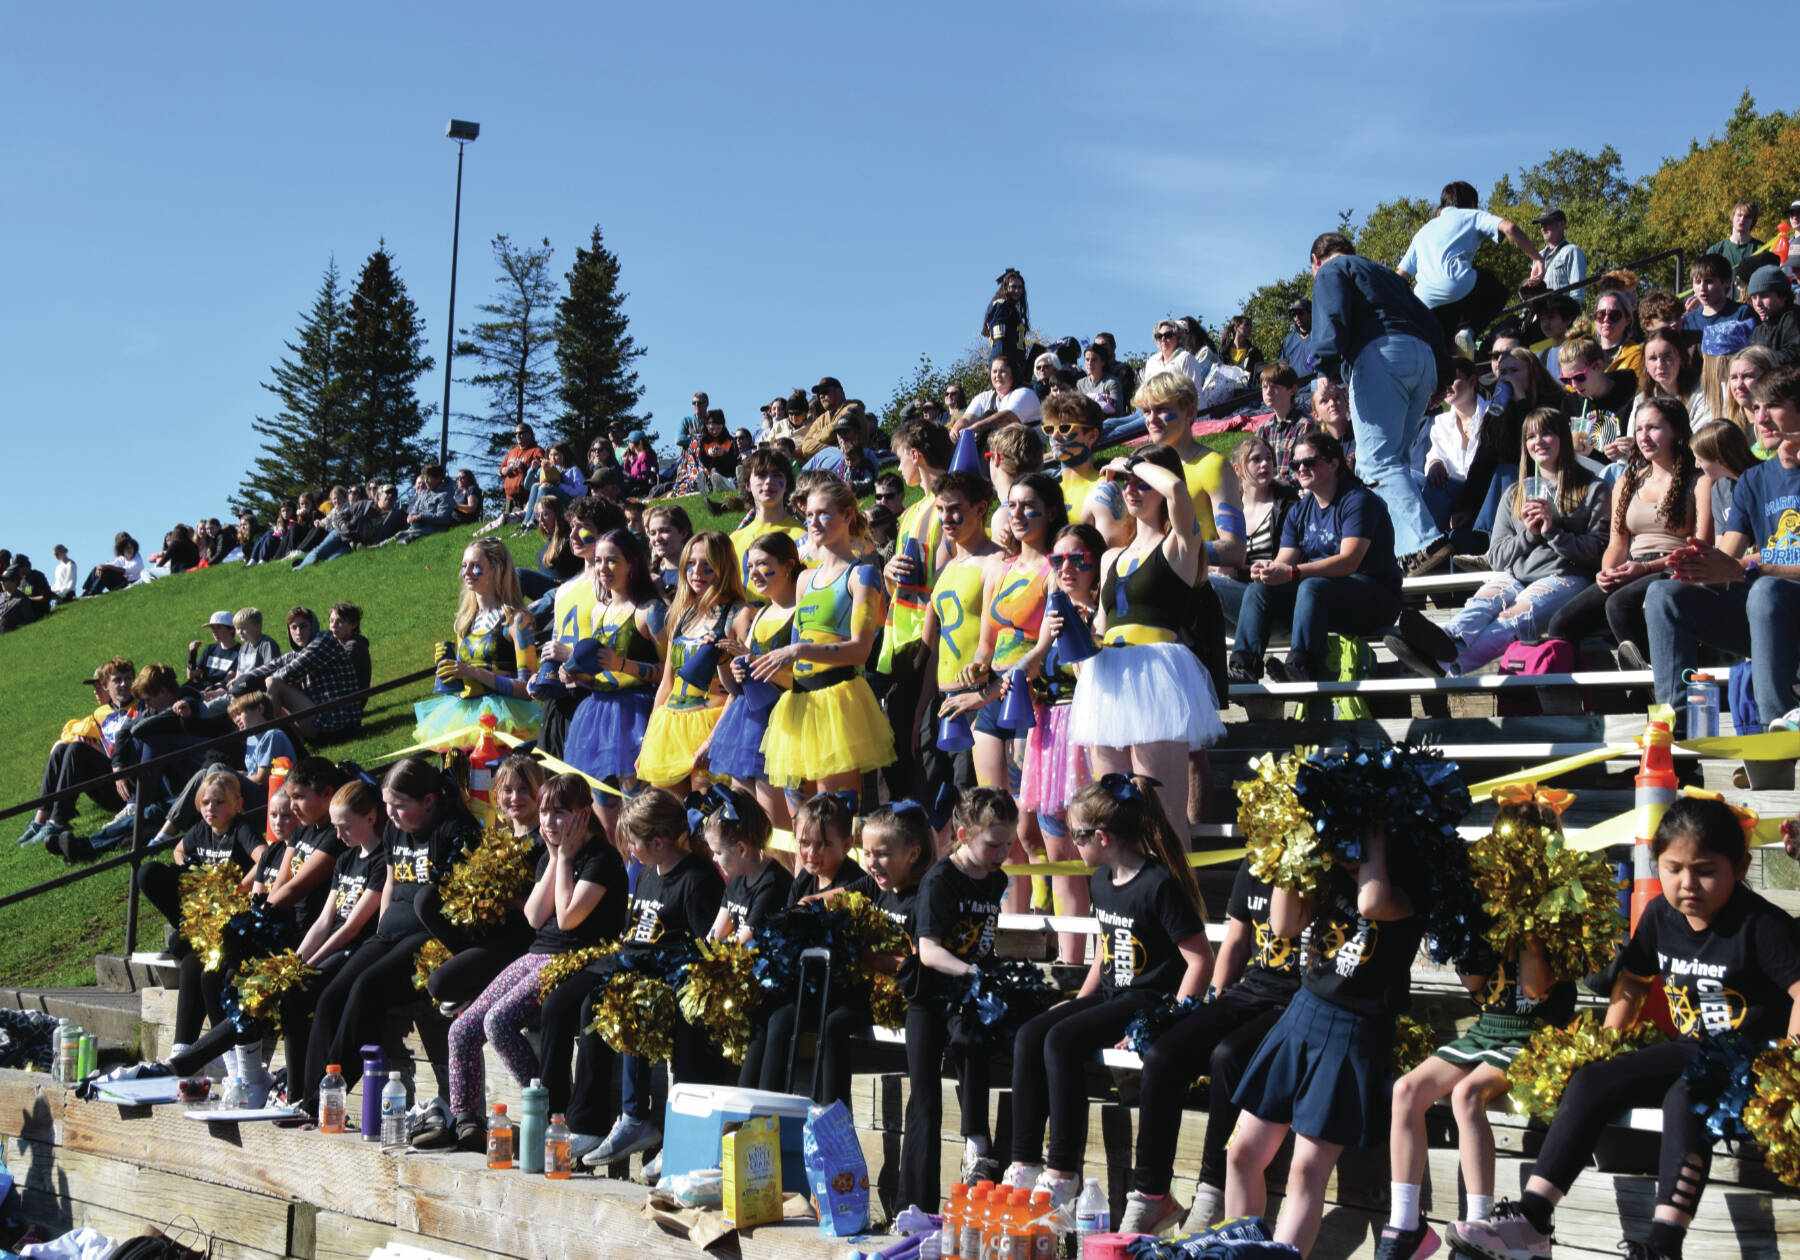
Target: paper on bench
222 1115
140 1093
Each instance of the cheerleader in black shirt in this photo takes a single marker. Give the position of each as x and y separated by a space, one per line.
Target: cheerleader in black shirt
737 832
1729 962
1153 947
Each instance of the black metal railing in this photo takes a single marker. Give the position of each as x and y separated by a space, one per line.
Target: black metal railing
139 850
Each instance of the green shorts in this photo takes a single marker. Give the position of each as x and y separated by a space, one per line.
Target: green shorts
1495 1039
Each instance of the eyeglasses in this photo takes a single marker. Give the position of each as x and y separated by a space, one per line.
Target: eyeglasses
1165 334
1305 463
1609 315
1080 560
1065 430
1573 378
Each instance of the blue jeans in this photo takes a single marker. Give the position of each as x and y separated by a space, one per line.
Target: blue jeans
1121 429
1390 384
1356 606
1231 597
1439 502
1754 619
535 583
1481 629
334 545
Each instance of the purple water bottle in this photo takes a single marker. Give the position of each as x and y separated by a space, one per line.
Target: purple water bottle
373 1077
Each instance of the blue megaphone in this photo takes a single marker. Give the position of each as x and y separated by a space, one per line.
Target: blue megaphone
758 694
955 733
1017 713
967 458
584 658
546 685
1075 643
702 663
446 651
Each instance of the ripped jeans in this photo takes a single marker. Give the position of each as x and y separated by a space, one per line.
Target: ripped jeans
1482 629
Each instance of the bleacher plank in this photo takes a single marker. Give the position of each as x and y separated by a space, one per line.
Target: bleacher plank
1586 680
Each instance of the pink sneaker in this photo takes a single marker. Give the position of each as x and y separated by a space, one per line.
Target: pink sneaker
1506 1235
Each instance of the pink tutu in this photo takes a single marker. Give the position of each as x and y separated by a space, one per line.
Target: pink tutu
1055 766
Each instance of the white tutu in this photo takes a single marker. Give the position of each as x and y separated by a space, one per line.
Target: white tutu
1144 695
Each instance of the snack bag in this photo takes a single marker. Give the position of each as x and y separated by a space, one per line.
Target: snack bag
836 1171
750 1156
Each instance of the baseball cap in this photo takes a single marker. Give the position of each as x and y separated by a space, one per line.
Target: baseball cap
1553 215
220 618
1300 304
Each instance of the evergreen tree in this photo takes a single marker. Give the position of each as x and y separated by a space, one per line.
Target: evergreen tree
514 348
304 443
383 357
599 389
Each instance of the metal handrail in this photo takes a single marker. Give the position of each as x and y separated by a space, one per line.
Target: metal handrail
139 848
1589 281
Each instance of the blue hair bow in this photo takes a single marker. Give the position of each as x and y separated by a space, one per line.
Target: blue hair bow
911 809
850 797
703 805
1122 788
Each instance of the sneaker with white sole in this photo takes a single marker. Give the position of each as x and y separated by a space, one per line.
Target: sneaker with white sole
1149 1214
1062 1190
1208 1209
627 1138
1406 1244
653 1170
581 1145
1506 1235
1020 1176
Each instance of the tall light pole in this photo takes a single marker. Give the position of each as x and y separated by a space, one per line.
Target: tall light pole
463 133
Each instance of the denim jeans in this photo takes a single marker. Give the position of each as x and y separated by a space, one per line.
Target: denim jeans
1754 619
535 583
1390 384
335 545
1356 606
1121 429
1439 502
1482 633
1231 597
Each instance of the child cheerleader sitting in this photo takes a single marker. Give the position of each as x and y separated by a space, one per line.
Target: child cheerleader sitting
756 885
1323 1069
1153 947
578 900
485 670
685 713
1729 962
772 564
955 918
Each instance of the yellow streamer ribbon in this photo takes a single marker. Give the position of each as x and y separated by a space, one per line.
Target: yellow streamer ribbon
1215 858
1550 769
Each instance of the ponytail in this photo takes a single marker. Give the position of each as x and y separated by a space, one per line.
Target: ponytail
1129 807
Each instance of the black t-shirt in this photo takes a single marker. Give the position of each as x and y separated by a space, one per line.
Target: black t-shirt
269 865
307 841
1500 994
751 904
421 861
959 913
1143 921
598 863
806 883
1274 964
203 847
356 872
1357 963
668 909
1734 975
900 905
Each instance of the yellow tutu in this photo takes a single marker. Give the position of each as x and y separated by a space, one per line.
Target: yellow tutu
835 730
672 744
444 716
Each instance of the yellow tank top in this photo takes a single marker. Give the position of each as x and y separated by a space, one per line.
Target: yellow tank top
745 536
957 601
1204 475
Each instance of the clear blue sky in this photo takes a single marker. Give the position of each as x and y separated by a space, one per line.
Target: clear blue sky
792 189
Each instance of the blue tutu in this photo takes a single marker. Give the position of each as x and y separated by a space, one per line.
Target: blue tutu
606 732
737 739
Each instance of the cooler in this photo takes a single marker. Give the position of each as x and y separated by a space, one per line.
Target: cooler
694 1123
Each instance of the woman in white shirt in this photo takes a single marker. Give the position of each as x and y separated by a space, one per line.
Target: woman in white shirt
62 582
1005 403
1451 441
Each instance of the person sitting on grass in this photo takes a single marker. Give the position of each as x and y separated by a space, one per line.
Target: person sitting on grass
260 754
318 671
214 666
83 753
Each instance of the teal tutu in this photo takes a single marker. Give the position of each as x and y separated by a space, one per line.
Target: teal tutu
443 716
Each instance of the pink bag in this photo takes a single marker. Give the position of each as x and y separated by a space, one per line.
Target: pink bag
1551 656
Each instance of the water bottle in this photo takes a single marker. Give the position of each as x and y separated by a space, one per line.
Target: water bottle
233 1095
333 1102
1702 705
554 1152
534 1106
87 1050
1093 1215
67 1039
1502 396
393 1111
499 1139
374 1071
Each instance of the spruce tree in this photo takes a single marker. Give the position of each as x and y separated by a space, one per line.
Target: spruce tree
382 361
514 348
599 390
304 443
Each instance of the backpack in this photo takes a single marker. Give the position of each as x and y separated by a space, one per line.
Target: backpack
1549 656
1346 660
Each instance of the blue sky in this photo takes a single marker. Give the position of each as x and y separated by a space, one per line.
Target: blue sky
793 189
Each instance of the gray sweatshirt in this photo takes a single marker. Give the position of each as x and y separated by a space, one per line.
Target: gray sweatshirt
1572 546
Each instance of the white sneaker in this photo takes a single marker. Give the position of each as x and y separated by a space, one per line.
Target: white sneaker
1145 1214
653 1170
1022 1176
1208 1209
1062 1190
1789 721
1506 1235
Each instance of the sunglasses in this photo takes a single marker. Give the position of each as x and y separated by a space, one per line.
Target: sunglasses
1573 378
1165 336
1305 463
1081 561
1066 430
1609 315
1081 835
889 494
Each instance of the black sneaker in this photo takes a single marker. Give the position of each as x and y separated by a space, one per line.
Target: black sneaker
1426 636
1428 559
1630 657
1244 671
1406 1244
1288 672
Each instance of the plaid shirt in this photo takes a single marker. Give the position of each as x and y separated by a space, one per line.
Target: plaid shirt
1282 435
323 670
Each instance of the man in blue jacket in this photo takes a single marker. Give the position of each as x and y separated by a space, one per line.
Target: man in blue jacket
1369 331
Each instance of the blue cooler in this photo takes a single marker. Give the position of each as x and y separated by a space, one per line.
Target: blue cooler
694 1123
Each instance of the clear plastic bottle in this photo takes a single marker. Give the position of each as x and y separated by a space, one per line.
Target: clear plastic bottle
393 1111
499 1139
557 1164
1093 1215
332 1100
233 1095
1702 706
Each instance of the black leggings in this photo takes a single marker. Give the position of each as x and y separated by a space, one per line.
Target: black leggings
1227 1030
474 960
352 1010
1050 1072
70 764
922 1141
580 1091
1644 1078
197 995
1475 310
1620 610
766 1062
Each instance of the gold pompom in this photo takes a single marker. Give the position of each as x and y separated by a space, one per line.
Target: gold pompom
1773 1113
476 892
263 982
887 1005
1541 1072
562 966
1532 882
720 994
432 955
636 1015
209 897
1283 849
1413 1044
